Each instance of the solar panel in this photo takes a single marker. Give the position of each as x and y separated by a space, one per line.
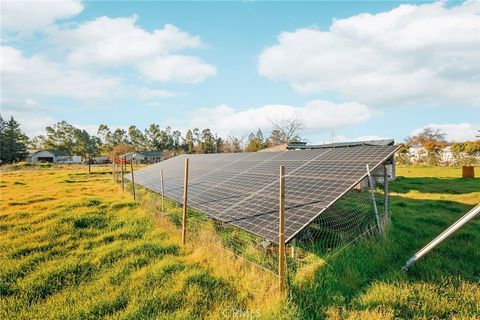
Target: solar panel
242 189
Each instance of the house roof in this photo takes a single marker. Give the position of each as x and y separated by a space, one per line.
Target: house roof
144 153
57 153
151 153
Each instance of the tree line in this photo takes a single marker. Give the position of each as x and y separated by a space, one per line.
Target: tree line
434 142
113 142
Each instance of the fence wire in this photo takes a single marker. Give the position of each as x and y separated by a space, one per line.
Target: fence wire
349 219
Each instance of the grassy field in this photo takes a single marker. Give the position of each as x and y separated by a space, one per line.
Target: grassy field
365 281
72 246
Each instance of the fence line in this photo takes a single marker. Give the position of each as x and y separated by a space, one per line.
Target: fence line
337 228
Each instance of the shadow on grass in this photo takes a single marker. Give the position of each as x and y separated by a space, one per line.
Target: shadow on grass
435 185
358 269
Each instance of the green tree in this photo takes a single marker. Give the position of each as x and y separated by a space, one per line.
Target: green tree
137 139
36 142
189 143
466 153
118 136
61 136
208 142
256 142
177 136
231 144
111 139
153 136
105 134
13 142
433 140
196 136
86 145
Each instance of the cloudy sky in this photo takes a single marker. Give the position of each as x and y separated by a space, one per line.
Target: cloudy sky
347 70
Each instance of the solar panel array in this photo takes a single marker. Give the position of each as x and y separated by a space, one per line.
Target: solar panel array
242 188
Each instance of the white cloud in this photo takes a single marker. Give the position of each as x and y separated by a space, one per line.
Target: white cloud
155 104
26 112
176 68
117 41
412 54
456 132
90 128
367 138
35 75
113 42
28 16
316 115
32 118
21 105
146 93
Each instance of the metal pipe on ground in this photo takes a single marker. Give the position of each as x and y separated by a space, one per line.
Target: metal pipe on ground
454 227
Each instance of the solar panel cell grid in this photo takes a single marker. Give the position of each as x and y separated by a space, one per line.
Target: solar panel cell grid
242 188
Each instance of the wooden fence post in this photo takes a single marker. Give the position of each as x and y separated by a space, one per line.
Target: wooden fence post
163 190
133 180
281 232
123 181
113 170
184 213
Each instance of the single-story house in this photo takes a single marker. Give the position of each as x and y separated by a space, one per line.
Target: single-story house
56 156
144 156
416 153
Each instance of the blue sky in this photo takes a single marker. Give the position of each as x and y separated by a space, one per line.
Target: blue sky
348 70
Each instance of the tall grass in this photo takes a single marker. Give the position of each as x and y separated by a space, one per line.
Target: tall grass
364 281
72 246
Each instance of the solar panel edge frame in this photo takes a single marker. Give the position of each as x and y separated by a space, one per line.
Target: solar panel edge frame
275 241
341 195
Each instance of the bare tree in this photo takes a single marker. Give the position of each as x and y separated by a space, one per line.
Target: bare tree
428 135
286 130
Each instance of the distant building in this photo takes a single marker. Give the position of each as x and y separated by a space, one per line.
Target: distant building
54 156
145 156
417 153
101 159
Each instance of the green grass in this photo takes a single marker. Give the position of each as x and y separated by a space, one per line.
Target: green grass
72 246
83 250
364 281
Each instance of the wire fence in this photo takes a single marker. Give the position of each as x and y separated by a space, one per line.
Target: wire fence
361 212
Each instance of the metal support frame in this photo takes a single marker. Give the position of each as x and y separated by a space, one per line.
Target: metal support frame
372 192
385 192
454 227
